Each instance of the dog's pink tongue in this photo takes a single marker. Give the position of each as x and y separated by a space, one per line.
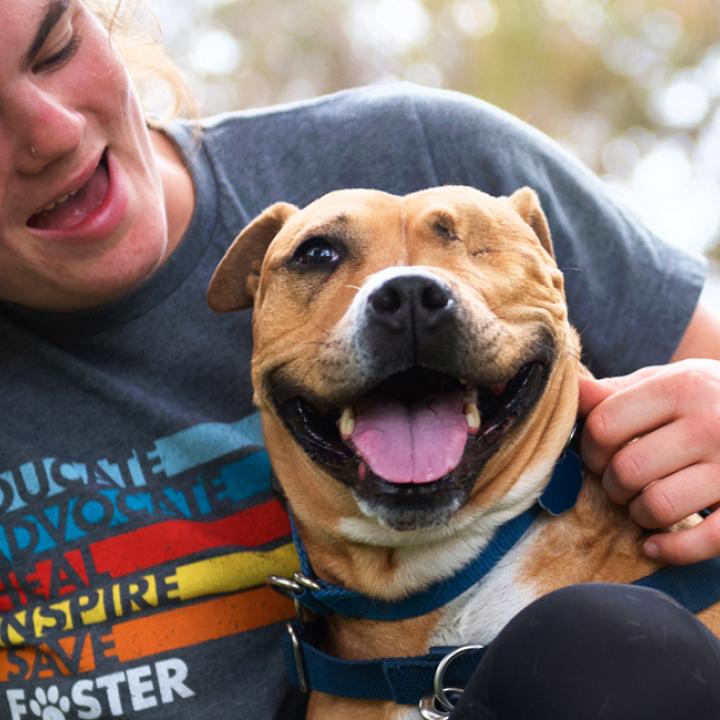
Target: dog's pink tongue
75 209
411 444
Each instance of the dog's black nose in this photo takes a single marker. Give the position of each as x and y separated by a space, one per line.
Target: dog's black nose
410 302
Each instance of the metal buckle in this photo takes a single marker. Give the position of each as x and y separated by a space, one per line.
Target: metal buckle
297 655
285 586
296 585
439 706
292 588
306 582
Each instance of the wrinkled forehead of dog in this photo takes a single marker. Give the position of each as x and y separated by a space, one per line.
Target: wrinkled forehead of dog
368 230
444 214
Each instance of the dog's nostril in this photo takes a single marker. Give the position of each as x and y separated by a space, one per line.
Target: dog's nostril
386 299
434 297
421 296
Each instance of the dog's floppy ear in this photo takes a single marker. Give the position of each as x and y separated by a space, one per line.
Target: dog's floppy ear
235 280
527 204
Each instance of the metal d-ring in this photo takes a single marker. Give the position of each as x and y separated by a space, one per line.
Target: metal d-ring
438 682
297 655
429 710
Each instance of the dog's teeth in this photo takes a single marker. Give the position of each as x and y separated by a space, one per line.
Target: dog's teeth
472 415
470 397
347 423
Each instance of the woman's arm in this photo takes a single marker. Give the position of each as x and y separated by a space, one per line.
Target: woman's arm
702 337
654 438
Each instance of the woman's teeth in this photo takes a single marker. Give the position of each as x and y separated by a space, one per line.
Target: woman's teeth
60 201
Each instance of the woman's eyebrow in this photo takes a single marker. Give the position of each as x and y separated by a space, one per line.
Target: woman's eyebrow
54 10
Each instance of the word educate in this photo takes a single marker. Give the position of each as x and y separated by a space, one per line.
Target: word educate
169 457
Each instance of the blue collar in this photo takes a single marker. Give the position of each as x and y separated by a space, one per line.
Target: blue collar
404 680
407 680
324 598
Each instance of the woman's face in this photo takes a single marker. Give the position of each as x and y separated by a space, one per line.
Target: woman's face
82 216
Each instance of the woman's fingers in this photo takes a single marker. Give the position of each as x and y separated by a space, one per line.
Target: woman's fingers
654 439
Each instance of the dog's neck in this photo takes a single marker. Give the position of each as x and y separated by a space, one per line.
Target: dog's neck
317 595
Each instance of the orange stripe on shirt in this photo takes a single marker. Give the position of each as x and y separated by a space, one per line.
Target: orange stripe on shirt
195 624
70 656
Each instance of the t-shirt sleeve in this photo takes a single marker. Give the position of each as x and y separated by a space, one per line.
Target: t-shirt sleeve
630 294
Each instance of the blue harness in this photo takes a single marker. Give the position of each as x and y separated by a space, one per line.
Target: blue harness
407 680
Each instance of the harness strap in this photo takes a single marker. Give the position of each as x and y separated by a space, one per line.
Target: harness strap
695 587
404 680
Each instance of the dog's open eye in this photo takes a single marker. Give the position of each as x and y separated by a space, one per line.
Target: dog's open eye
317 252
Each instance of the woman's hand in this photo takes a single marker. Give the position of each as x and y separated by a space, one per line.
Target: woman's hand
654 439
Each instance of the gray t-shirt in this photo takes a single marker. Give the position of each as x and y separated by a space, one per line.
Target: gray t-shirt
137 523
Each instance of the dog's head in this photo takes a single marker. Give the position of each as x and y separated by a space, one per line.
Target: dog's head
412 355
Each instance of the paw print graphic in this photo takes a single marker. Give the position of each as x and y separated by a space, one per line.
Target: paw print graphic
50 705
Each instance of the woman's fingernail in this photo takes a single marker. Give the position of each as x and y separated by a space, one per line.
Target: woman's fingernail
651 549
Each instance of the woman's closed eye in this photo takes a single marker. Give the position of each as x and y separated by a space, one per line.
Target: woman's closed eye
58 58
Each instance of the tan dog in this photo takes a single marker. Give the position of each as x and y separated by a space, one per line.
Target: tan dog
417 378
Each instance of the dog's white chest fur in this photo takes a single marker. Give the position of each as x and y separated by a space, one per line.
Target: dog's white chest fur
480 613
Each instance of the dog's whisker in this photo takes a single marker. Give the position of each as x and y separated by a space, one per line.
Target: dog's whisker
317 343
312 367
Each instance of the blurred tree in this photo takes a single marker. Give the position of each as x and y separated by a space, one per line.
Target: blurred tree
631 87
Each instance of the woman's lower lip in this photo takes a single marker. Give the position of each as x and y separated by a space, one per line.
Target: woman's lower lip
103 221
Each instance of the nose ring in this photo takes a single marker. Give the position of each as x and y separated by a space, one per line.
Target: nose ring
33 151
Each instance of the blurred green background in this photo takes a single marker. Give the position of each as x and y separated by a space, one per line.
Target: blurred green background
632 88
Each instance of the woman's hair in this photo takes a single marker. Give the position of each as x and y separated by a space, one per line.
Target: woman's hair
136 34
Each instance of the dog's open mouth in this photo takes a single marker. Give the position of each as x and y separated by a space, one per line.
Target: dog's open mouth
415 444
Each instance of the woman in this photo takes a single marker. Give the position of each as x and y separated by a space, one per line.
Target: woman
138 523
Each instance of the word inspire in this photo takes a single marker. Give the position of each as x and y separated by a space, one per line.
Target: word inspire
137 689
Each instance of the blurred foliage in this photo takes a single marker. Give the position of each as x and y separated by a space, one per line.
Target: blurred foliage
621 83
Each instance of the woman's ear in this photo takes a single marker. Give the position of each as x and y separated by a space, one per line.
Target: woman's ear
235 280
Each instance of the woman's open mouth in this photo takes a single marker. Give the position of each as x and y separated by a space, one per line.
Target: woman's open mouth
90 212
418 441
71 210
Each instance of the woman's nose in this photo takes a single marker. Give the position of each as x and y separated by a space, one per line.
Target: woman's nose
48 129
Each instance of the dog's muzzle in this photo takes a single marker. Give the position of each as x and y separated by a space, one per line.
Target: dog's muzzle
412 433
